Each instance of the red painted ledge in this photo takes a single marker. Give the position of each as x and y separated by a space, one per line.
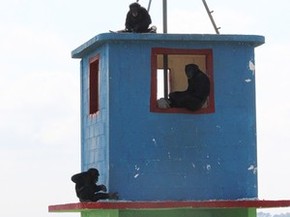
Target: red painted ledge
77 207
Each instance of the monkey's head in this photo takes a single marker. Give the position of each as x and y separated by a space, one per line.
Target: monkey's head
93 174
191 70
134 9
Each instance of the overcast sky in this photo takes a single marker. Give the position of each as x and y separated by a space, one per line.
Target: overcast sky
39 89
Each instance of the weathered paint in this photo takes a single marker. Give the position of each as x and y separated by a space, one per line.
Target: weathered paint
148 156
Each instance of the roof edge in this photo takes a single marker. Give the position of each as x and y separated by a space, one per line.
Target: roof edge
98 40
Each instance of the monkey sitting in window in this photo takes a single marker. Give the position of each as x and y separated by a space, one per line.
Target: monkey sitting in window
194 97
86 188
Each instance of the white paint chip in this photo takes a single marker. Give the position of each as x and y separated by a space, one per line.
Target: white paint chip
208 167
253 169
193 165
252 66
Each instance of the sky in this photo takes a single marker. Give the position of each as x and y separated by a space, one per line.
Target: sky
40 89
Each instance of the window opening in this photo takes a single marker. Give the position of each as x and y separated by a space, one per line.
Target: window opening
168 73
163 78
94 85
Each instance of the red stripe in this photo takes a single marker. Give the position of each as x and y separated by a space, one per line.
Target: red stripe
170 204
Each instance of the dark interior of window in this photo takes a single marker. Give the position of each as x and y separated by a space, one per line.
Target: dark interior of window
94 85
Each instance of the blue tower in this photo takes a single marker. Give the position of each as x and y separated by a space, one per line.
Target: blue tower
169 162
146 153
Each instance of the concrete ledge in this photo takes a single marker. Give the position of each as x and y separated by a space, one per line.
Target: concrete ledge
157 205
102 38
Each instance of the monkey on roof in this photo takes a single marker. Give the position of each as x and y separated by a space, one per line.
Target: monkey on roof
138 19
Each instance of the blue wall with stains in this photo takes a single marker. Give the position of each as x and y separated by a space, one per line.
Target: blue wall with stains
151 156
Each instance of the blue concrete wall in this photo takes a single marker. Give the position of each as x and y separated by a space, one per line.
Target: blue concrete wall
157 156
95 128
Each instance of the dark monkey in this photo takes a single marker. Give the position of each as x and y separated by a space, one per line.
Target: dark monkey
87 189
196 93
138 19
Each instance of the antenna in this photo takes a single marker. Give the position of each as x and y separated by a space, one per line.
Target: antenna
164 16
149 4
209 12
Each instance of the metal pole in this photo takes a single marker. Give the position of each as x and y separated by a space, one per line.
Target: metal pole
149 4
210 17
165 75
164 16
165 56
